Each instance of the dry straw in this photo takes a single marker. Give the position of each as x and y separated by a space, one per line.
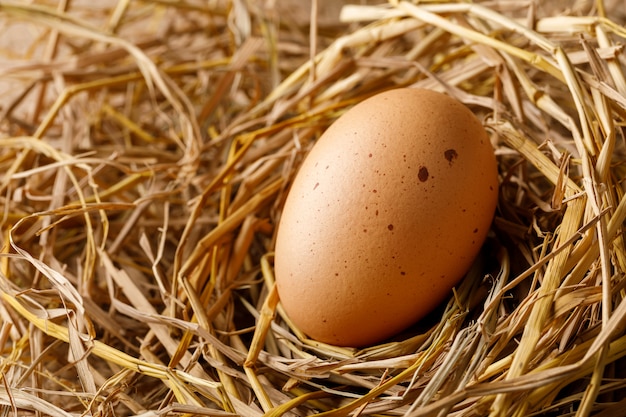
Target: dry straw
145 152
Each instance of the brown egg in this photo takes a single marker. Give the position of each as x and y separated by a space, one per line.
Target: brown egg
385 216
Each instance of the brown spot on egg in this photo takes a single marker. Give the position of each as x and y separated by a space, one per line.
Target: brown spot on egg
422 174
390 227
450 155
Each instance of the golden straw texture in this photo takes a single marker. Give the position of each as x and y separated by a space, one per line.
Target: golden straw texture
146 149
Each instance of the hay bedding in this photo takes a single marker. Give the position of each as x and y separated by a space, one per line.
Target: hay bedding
145 152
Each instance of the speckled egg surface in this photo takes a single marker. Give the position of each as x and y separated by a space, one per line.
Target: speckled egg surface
386 214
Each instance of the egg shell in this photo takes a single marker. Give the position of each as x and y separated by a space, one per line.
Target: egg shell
385 215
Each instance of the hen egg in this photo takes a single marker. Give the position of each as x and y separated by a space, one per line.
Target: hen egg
386 214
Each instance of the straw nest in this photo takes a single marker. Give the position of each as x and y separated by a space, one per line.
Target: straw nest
147 148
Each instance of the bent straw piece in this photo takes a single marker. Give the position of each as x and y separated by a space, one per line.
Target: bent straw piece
325 61
373 34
